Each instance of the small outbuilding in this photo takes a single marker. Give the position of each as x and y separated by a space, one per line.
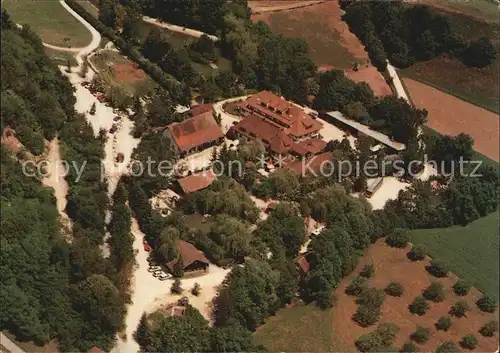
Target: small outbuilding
193 260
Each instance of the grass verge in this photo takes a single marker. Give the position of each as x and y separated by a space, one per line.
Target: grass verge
50 21
61 57
471 252
303 328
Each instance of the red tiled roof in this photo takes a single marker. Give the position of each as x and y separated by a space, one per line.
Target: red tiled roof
200 109
313 145
196 182
195 131
282 113
95 350
188 253
314 163
303 264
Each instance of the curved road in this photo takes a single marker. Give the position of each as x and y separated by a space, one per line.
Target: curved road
256 9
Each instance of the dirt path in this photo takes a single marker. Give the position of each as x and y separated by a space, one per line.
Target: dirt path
179 29
451 115
259 7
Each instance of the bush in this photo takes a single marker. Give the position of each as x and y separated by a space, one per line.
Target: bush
447 347
408 347
469 341
417 253
438 268
434 292
394 289
421 335
357 286
398 238
444 323
487 304
371 297
461 287
368 271
366 316
489 329
378 340
460 308
176 287
419 306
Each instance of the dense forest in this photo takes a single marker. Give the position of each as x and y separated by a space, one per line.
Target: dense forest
51 289
406 34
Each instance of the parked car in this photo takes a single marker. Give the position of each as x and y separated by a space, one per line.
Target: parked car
113 129
164 276
117 118
154 268
158 273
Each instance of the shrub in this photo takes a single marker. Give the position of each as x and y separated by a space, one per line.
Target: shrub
461 287
438 268
366 316
176 287
444 323
357 286
196 289
378 340
398 238
469 341
368 271
394 289
460 308
417 253
489 329
487 304
434 292
371 297
387 333
420 335
447 347
419 306
408 347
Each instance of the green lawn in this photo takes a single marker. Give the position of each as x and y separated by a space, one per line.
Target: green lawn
481 9
61 57
304 328
471 252
197 221
50 21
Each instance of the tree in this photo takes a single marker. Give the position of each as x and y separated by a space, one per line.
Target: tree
434 292
460 308
444 323
143 333
196 289
417 252
371 297
461 287
447 347
421 334
378 340
438 268
107 13
357 286
178 270
487 304
408 347
232 338
469 342
398 238
419 306
480 53
489 329
92 109
176 287
68 66
366 315
394 289
368 271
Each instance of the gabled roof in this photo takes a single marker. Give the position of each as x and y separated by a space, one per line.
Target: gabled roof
188 253
304 265
197 181
195 131
200 109
313 145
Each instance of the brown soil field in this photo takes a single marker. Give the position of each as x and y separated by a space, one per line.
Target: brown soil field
393 265
126 73
450 115
331 44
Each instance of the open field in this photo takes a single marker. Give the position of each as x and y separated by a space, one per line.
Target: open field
61 57
303 328
470 251
481 9
450 115
50 21
393 265
117 70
